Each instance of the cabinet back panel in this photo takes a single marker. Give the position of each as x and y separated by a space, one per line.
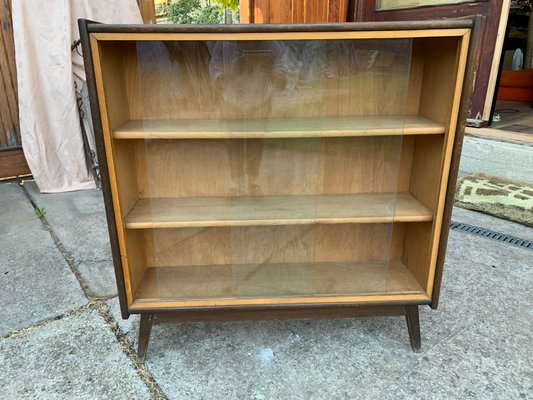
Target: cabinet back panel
416 75
272 244
126 180
121 156
417 250
170 80
427 169
258 79
130 72
189 168
362 165
438 86
115 89
406 163
134 262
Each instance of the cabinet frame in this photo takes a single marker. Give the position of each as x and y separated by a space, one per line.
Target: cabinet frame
406 305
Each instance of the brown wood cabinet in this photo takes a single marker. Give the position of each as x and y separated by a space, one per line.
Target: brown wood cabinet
278 171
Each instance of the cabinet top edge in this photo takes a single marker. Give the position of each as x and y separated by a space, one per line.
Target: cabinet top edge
94 27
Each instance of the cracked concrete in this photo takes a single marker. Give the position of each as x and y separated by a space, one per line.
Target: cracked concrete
36 282
87 243
497 158
75 357
52 321
59 342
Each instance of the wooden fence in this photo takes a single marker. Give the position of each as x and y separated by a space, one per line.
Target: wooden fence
12 161
9 114
293 11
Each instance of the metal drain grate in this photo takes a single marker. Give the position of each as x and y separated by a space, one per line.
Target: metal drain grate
500 237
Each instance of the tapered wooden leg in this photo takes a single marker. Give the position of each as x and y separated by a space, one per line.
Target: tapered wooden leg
413 326
144 335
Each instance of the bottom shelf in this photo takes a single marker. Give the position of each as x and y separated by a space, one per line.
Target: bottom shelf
275 280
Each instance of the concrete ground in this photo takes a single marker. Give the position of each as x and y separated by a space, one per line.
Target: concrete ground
62 336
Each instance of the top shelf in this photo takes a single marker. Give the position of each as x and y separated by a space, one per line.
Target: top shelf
278 128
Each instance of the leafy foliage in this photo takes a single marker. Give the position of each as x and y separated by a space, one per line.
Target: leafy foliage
183 11
161 9
40 212
193 12
233 4
210 14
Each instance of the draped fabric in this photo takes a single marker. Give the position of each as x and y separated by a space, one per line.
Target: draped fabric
48 74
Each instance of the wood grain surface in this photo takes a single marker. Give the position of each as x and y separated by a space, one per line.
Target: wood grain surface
278 128
275 280
276 210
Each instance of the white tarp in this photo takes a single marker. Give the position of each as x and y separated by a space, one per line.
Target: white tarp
46 69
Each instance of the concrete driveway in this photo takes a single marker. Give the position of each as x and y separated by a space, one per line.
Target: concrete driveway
62 336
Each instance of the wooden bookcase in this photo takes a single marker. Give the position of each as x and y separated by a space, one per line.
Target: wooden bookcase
278 171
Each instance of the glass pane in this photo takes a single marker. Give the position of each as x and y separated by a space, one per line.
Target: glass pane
266 168
392 4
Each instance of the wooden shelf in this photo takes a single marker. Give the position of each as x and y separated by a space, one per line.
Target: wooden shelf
275 280
276 210
278 128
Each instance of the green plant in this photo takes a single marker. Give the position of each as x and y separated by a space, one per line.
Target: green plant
193 12
210 14
40 212
183 11
161 9
233 4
